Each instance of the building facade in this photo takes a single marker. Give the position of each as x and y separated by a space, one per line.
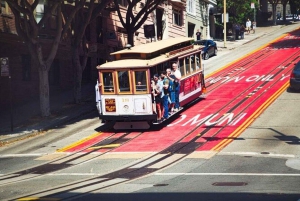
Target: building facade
200 16
172 18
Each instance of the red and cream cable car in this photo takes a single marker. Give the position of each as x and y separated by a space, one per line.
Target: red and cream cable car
124 93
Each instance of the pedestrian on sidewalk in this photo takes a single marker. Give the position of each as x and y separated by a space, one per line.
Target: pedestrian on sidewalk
253 27
242 31
248 26
198 35
237 31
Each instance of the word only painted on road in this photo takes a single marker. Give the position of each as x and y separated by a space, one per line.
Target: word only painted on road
217 119
253 78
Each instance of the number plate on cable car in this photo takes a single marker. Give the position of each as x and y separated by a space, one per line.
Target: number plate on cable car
110 105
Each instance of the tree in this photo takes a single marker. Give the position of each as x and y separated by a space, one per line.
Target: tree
284 3
239 10
295 6
134 21
274 5
28 28
79 42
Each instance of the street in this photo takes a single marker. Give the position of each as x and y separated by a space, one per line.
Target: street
84 161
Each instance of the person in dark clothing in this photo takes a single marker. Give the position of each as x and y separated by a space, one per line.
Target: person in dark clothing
242 31
198 35
165 100
237 31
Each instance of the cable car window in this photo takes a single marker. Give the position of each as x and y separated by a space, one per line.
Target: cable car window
193 63
123 81
108 81
197 62
187 65
140 81
181 67
162 67
159 68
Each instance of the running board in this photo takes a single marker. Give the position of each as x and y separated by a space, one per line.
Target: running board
170 115
131 125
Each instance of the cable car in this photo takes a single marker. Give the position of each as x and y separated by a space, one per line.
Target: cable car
124 93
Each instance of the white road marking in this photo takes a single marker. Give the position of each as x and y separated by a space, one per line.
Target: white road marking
183 174
21 155
258 154
74 174
226 174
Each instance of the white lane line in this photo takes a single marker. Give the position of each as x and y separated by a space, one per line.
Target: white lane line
74 174
227 174
258 154
20 155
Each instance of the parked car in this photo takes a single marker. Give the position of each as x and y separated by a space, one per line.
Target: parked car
210 48
295 77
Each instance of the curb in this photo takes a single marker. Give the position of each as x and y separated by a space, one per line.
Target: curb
44 126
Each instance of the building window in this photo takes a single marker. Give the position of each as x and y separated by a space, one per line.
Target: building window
123 3
39 12
177 17
191 7
4 8
26 67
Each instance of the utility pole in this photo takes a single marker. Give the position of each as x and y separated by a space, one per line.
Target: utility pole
224 21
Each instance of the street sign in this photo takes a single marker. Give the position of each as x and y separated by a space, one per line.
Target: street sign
4 66
252 5
227 18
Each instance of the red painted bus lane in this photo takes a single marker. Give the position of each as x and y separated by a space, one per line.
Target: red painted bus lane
273 72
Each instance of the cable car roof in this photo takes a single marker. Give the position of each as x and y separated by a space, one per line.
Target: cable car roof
142 63
154 46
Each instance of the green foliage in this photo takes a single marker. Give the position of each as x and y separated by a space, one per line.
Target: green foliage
239 10
295 5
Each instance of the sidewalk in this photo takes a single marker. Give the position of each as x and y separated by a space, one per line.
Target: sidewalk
26 119
231 44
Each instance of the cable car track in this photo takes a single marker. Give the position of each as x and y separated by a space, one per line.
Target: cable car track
63 162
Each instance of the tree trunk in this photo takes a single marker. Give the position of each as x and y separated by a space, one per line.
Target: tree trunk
284 12
130 37
77 75
44 92
274 14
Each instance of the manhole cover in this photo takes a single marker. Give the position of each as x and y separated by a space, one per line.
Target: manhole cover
229 184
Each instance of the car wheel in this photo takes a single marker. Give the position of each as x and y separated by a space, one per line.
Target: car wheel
206 56
216 52
290 89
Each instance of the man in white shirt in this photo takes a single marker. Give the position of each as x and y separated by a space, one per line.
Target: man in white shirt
248 26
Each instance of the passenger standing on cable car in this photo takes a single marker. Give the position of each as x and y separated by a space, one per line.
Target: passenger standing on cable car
156 94
160 83
166 95
171 90
177 73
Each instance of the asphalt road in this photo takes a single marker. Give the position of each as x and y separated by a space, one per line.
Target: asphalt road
261 164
